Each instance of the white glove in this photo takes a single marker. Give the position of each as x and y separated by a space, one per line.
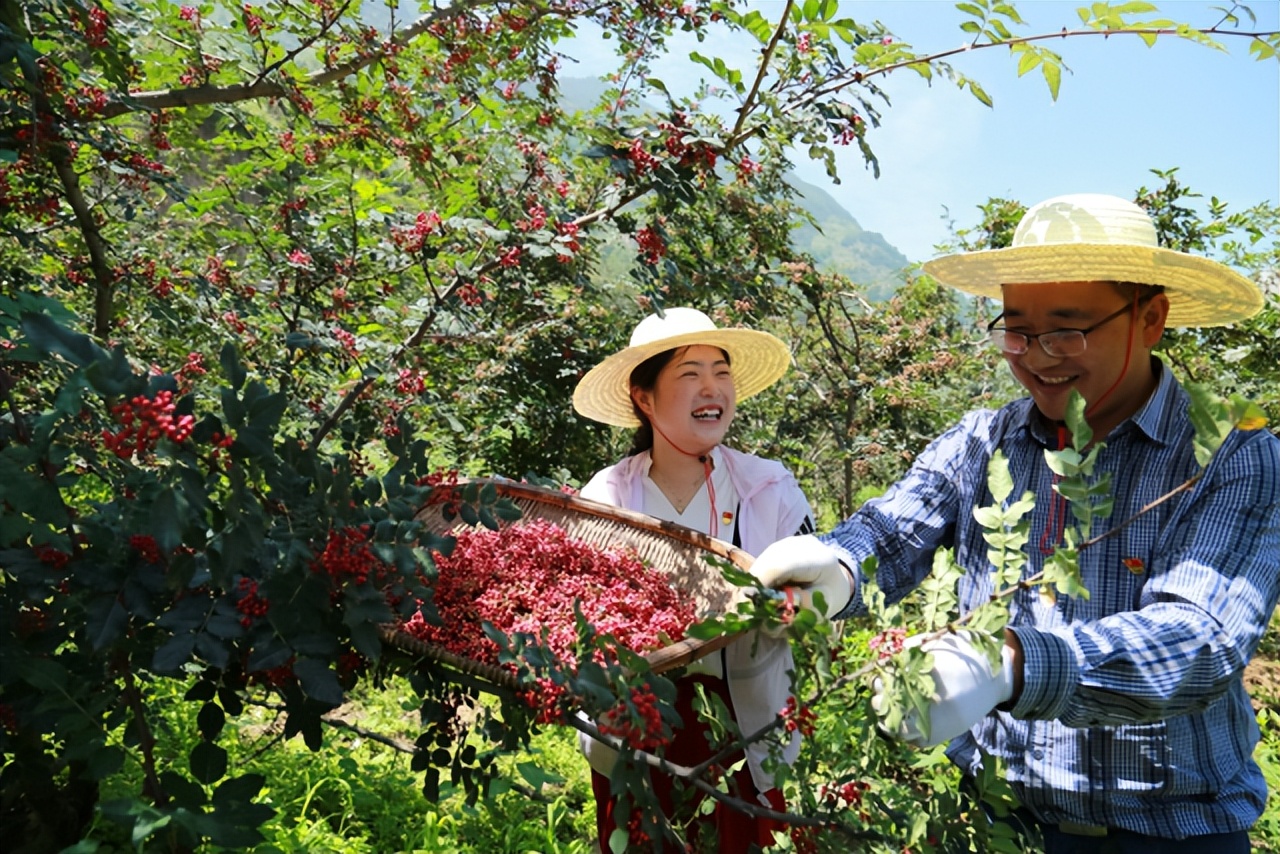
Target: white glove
600 756
966 689
809 566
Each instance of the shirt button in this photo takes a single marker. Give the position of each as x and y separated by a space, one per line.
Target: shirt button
1038 754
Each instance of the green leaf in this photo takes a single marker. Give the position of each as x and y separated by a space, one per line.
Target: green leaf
144 827
50 337
232 408
536 776
240 790
759 26
989 517
106 620
265 411
1210 419
166 519
318 680
1029 60
208 762
1053 77
1022 506
230 359
979 93
999 480
210 721
1062 570
173 653
1245 414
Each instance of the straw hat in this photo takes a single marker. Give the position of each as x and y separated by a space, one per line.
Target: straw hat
1091 237
604 394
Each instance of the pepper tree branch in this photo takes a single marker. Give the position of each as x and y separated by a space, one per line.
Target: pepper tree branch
420 332
857 76
695 776
70 181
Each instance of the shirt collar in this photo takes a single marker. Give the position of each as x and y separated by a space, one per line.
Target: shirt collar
646 461
1152 418
1155 418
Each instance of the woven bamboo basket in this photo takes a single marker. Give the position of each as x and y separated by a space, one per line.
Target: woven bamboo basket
678 552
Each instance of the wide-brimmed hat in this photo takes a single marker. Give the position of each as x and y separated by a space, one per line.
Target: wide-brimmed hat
1090 237
758 359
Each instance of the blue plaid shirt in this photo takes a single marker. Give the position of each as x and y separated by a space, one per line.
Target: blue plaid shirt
1133 712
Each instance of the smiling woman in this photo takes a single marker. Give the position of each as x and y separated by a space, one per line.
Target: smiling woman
679 384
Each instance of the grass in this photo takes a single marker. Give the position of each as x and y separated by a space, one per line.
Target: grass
361 795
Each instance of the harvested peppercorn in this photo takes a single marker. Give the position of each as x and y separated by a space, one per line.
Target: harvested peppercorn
525 579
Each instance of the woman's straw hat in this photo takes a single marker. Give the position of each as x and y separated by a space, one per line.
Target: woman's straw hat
1091 237
758 359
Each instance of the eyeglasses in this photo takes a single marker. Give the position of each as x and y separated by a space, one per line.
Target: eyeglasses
1059 343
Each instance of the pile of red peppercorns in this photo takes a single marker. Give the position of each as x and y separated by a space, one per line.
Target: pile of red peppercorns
526 578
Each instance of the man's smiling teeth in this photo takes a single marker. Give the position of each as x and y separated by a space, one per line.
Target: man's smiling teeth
1054 380
709 413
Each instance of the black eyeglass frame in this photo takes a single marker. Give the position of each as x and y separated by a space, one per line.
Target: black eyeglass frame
1052 349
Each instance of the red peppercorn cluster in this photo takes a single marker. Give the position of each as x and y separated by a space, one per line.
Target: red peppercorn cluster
52 557
347 556
276 677
412 239
31 620
95 28
804 839
144 422
251 605
146 547
846 794
888 642
525 578
443 490
640 727
798 718
652 246
220 443
636 835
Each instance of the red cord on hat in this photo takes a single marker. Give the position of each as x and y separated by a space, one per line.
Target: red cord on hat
713 525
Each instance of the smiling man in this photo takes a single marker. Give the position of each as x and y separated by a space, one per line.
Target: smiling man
1122 719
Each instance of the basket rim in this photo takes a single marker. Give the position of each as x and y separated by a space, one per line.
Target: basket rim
644 521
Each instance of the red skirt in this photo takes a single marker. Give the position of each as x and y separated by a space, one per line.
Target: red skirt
736 832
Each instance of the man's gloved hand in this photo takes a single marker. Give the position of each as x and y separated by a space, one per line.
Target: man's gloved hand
966 689
807 565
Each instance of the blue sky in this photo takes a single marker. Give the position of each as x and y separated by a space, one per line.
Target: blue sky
1122 110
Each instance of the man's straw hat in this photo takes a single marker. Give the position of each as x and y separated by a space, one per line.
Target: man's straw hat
1091 237
758 359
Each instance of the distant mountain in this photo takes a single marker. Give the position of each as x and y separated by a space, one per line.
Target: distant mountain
839 245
